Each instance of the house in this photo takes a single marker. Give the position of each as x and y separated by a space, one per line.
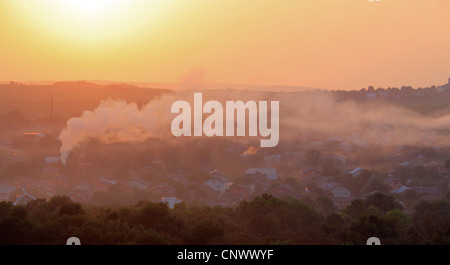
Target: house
145 171
83 187
393 183
171 201
108 182
335 189
217 174
5 192
101 183
427 193
310 174
360 141
238 193
328 185
371 96
420 159
319 181
272 160
309 171
405 164
86 190
356 172
340 191
220 184
180 176
312 178
283 191
51 159
444 171
261 174
397 158
163 190
51 164
341 158
42 189
400 189
137 184
24 198
218 181
346 147
383 94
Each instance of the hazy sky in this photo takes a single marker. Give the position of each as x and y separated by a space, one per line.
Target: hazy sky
331 44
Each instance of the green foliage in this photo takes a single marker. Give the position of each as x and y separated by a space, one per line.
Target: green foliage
71 209
355 209
434 218
263 220
151 237
326 205
336 226
382 201
205 232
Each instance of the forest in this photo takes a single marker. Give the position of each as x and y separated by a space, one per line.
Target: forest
265 220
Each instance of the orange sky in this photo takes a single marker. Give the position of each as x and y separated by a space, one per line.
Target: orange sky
330 44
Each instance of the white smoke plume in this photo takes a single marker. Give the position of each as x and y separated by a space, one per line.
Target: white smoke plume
368 122
116 121
302 116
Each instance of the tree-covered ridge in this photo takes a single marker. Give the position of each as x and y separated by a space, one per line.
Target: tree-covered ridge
263 220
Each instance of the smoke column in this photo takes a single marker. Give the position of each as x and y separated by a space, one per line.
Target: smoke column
116 121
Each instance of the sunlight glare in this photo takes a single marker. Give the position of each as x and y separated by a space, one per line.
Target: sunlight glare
93 6
93 21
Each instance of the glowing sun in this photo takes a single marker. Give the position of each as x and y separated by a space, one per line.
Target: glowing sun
93 20
93 7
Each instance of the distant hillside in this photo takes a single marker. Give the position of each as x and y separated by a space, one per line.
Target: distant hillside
69 98
72 98
181 86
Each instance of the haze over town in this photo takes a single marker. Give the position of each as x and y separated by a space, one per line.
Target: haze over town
87 150
336 148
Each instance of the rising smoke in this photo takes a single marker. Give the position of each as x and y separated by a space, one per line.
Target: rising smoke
310 115
116 121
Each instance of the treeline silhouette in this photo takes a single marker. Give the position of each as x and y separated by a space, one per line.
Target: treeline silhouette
264 220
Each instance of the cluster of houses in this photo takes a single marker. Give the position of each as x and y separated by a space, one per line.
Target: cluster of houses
339 194
397 187
218 188
380 93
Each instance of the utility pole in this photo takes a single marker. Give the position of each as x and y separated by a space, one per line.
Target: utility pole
51 106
